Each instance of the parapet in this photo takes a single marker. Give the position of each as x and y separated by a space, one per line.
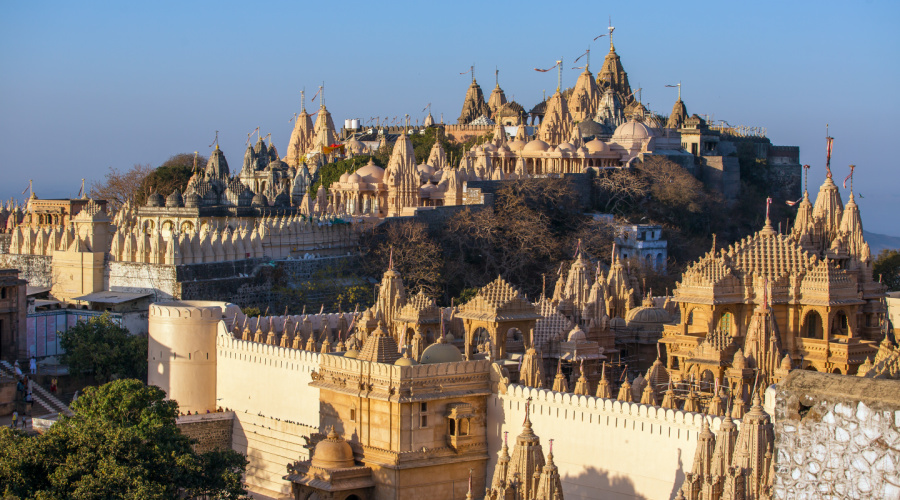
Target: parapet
190 309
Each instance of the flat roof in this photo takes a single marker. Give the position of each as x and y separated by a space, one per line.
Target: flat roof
109 297
34 290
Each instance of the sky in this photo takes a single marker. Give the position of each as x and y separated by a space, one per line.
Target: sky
85 86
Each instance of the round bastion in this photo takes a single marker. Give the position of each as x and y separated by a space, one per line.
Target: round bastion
182 351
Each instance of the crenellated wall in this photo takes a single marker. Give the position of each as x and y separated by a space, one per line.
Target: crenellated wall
275 409
603 448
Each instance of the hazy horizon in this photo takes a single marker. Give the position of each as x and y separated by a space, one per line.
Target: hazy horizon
90 86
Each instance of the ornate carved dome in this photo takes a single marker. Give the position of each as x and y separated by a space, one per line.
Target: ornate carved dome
260 200
577 335
155 199
333 453
192 199
647 317
174 200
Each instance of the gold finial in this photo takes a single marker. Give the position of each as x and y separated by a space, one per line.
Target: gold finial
611 28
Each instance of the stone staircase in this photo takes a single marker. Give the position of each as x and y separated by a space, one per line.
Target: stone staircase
41 396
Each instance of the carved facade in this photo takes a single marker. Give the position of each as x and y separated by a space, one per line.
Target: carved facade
805 299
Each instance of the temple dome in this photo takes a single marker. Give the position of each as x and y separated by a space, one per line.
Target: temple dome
174 200
424 168
577 335
440 352
596 146
260 200
282 199
192 199
371 172
155 199
536 145
352 353
516 145
344 177
647 316
405 361
333 453
567 147
354 178
632 130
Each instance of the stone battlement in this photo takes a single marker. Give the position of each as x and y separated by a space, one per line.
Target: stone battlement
606 407
187 310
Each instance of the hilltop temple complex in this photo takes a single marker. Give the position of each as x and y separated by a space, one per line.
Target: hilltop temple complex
610 391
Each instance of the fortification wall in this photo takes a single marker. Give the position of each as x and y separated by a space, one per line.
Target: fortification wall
275 409
837 436
33 268
213 431
603 448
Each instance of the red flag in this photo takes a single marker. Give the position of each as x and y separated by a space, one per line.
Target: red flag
849 176
548 69
792 203
582 55
314 95
828 145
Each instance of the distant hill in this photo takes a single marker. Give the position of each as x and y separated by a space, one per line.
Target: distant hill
878 242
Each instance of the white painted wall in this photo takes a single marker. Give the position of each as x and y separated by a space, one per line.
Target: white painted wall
603 448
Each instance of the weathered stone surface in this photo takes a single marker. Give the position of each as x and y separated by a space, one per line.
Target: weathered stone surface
213 431
847 447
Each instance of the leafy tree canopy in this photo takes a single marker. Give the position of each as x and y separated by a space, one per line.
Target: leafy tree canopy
121 442
887 268
173 174
104 348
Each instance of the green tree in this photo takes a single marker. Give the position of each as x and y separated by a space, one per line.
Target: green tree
104 348
887 268
121 442
332 172
173 174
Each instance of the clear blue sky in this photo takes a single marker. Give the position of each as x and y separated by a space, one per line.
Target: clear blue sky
89 85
